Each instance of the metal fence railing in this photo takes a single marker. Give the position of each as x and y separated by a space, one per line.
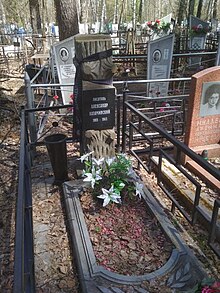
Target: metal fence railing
173 150
24 280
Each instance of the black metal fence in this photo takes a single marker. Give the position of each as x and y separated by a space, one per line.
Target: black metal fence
130 131
24 274
24 280
145 139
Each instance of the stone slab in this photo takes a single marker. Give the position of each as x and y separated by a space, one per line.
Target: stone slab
203 174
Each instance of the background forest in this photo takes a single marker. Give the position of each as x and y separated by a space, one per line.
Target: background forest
35 15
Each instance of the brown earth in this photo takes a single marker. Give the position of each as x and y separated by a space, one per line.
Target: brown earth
126 238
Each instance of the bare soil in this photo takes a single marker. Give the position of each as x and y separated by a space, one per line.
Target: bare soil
126 238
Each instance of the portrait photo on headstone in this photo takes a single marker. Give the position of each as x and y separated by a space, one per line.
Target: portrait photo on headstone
64 54
157 56
210 99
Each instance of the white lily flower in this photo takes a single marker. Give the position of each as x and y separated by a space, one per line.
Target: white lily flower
109 195
109 161
132 174
123 155
122 185
84 157
139 189
98 162
93 177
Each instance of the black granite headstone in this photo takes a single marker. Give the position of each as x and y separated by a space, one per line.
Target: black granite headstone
98 107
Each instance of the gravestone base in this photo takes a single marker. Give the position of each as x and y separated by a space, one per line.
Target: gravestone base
213 150
101 142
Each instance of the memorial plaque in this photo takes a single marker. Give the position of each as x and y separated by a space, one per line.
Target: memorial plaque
159 58
98 107
64 52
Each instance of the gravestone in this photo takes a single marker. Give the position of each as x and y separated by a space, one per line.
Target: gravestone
64 52
159 58
198 31
98 106
203 128
94 95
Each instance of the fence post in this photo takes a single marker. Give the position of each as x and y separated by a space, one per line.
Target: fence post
30 105
124 119
118 123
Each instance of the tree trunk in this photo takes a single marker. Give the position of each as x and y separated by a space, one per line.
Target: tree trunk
215 6
35 16
140 11
199 9
2 13
181 11
209 9
191 7
115 17
134 3
67 18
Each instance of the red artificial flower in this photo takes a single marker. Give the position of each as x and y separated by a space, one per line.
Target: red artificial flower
55 97
149 23
157 21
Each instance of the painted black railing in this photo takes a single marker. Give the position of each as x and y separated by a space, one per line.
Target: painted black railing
179 150
24 280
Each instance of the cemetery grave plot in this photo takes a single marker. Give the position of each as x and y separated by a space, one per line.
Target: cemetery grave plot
126 239
63 123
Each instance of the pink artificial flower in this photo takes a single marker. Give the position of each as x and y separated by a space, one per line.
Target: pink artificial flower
149 23
216 285
55 97
72 96
206 289
177 91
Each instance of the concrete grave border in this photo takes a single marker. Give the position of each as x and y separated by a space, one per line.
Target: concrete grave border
183 270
